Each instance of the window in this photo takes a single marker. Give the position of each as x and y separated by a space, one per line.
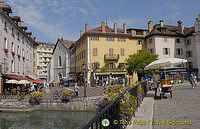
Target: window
84 54
139 42
17 50
122 52
18 36
13 47
23 40
110 39
189 65
150 40
5 43
40 53
177 40
110 52
188 42
18 68
59 60
150 50
179 51
94 51
5 26
13 31
12 66
23 52
121 39
189 54
27 55
165 39
94 38
166 51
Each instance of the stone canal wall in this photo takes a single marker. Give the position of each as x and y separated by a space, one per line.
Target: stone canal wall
77 104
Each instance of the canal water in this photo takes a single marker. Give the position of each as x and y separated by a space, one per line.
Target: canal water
45 120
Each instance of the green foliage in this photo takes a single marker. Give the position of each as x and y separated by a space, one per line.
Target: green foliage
137 62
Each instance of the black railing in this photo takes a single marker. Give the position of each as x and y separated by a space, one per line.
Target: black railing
111 111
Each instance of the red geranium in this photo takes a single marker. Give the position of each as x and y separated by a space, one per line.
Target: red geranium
13 53
23 58
6 50
19 56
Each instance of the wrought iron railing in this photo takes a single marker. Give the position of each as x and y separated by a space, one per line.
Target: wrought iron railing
111 111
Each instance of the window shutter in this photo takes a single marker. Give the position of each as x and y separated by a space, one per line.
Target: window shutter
168 50
176 51
164 51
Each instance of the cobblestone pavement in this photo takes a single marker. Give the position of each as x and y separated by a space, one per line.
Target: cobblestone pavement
184 106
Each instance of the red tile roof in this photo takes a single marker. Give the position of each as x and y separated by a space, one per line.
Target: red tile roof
107 30
67 43
170 30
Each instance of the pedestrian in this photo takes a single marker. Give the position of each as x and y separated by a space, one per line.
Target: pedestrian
5 93
192 80
76 89
195 81
155 82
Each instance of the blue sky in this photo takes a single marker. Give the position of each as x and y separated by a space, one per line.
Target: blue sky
50 19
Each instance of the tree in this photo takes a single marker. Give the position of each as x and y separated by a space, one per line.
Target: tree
137 62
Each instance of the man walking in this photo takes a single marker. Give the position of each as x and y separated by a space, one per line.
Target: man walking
76 89
155 82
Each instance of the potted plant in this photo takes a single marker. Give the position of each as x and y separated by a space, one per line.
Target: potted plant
13 53
18 55
6 50
23 58
66 95
36 98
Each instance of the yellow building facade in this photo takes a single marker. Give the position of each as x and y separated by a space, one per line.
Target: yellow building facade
108 48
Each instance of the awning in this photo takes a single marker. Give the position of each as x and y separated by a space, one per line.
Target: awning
18 77
74 75
38 81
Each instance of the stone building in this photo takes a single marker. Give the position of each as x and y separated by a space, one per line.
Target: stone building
60 63
16 46
44 55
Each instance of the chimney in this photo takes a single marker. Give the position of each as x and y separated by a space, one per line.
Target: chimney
81 32
86 27
1 3
133 32
115 27
144 33
180 27
124 28
150 25
103 27
19 23
34 38
161 23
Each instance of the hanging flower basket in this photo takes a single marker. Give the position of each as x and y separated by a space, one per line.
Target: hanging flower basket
6 50
23 58
13 53
18 56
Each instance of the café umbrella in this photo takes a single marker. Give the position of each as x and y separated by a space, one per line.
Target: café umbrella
23 82
12 82
165 62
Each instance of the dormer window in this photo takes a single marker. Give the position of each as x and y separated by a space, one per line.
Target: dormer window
110 39
140 42
95 38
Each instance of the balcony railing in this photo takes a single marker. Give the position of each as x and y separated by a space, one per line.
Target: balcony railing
114 57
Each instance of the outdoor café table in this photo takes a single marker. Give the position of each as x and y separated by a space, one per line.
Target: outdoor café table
166 89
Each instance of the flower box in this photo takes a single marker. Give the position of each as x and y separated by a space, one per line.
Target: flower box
6 50
18 56
13 53
23 58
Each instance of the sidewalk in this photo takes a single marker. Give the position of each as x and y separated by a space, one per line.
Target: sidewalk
144 115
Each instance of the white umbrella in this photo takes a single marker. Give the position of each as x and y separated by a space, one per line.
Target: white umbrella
12 81
165 62
23 82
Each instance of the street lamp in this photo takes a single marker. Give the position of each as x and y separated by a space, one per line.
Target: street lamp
84 70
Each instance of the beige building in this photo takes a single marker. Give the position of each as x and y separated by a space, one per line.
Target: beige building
16 46
44 55
105 50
